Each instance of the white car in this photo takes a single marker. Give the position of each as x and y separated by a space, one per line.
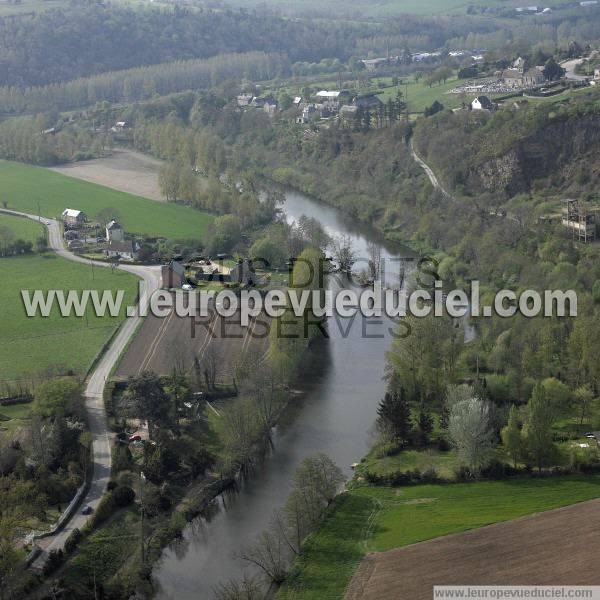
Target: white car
187 287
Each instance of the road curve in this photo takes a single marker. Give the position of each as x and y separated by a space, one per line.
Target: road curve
569 67
435 182
94 391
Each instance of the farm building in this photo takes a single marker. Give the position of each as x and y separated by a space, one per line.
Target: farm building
114 232
71 216
173 275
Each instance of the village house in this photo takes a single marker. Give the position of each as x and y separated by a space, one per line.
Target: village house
270 108
348 112
71 216
579 220
173 275
244 100
124 250
333 98
368 102
119 126
114 232
482 103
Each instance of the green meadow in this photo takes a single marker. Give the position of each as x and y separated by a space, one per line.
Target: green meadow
33 346
22 228
368 519
37 190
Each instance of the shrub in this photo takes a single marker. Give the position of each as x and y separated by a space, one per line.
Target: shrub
123 496
104 511
54 561
73 541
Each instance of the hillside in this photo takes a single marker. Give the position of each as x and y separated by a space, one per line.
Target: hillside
552 146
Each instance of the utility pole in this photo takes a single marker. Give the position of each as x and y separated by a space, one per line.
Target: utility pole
142 548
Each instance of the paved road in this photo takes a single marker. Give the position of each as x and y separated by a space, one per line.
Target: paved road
94 391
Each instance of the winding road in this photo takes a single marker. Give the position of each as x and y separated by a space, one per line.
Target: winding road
96 381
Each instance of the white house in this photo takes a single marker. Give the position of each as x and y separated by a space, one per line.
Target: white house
71 216
114 232
123 250
482 103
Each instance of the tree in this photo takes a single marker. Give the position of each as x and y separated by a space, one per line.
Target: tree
108 214
538 432
150 401
436 107
393 416
343 252
511 436
225 234
583 399
268 252
552 70
57 398
425 426
471 434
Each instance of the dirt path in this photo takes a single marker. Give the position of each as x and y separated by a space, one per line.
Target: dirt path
124 170
558 547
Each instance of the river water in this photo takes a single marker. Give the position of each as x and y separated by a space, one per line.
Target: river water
336 416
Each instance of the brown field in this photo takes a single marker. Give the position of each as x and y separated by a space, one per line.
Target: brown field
124 170
165 343
558 547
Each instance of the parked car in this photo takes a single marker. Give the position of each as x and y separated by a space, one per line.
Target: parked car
188 287
136 437
87 510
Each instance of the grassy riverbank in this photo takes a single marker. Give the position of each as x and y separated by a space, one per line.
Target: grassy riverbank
374 519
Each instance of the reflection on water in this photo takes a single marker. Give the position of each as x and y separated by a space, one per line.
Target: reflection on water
344 383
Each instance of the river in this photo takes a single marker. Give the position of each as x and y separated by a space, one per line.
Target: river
336 417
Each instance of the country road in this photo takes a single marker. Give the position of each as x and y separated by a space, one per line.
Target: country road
94 391
569 67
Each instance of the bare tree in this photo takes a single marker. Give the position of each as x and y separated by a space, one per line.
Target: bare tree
270 554
246 589
343 252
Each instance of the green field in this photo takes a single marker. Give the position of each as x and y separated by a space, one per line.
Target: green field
373 9
32 346
370 519
26 188
21 228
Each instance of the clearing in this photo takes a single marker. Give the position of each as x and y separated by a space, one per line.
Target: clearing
124 170
37 190
368 519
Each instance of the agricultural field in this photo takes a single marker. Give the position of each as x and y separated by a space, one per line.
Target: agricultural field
375 9
34 345
377 519
37 190
21 229
29 6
